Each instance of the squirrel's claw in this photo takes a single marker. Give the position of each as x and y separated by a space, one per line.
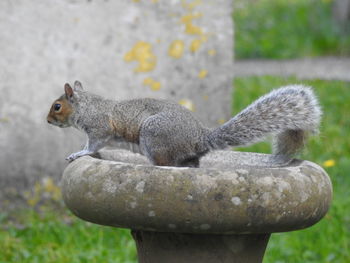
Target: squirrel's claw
72 157
76 155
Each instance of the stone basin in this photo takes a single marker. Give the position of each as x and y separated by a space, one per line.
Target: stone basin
236 194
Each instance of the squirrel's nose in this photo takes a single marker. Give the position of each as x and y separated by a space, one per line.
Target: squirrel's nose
49 121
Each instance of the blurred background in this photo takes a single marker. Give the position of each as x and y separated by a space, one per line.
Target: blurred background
183 50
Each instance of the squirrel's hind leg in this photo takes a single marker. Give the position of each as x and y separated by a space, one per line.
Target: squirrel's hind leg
163 156
189 162
165 142
154 154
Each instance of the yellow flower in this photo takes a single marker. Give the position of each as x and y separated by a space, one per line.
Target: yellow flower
329 163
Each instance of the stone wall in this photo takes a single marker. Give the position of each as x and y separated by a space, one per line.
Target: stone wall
180 50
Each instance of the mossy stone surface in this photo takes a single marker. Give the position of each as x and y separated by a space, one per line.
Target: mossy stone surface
240 199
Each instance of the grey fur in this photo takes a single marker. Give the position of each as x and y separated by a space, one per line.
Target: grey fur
289 113
168 134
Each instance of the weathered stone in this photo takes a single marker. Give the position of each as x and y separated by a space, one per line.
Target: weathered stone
180 50
245 197
155 247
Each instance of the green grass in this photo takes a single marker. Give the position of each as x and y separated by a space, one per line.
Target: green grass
282 29
58 237
54 235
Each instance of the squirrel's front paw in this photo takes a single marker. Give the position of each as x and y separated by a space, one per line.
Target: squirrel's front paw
76 155
72 157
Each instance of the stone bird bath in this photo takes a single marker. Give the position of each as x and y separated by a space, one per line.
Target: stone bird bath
223 211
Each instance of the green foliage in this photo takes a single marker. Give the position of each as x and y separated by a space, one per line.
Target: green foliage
329 240
286 29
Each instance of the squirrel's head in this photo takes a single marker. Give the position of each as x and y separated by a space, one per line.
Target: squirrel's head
62 109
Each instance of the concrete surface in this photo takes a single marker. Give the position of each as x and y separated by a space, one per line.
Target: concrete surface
327 68
180 50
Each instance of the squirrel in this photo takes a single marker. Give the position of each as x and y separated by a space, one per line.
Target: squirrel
168 134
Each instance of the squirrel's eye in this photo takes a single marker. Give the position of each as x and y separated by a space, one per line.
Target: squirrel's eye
57 107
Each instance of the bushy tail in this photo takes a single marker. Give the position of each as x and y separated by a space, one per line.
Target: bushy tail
289 113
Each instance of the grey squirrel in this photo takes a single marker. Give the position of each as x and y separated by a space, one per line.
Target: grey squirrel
169 135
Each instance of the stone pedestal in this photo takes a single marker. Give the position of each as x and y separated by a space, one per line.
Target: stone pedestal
223 211
155 247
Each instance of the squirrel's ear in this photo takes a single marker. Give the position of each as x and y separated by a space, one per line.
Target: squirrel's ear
78 86
68 90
